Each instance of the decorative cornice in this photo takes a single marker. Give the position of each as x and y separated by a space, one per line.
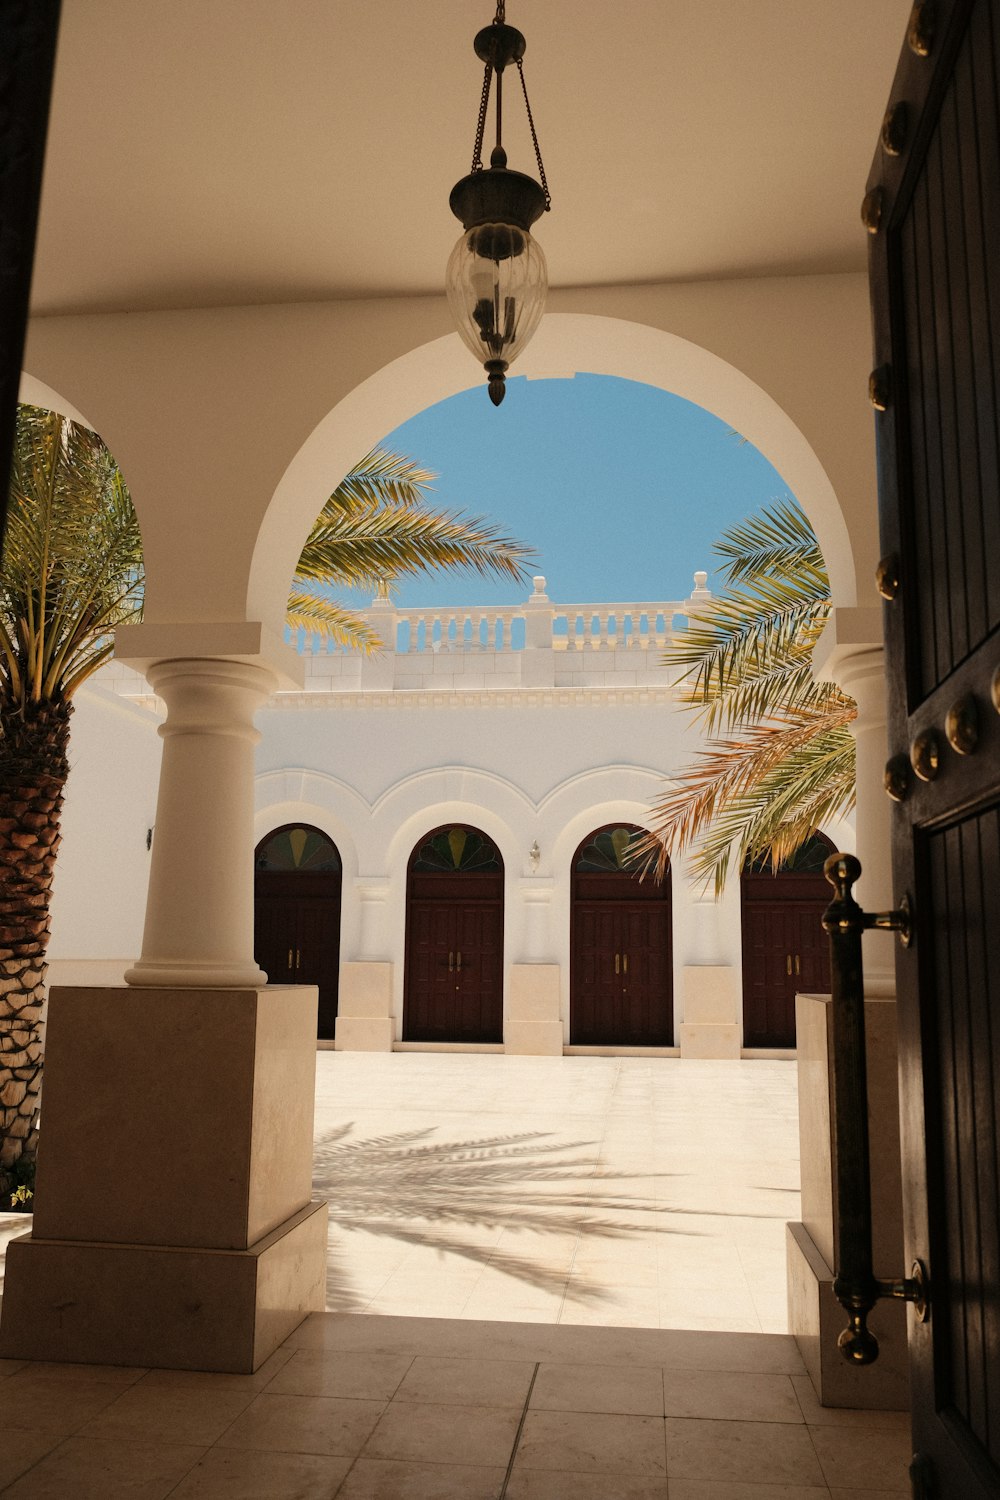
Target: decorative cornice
561 697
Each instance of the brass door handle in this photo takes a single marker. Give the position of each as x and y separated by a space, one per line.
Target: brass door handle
451 961
788 963
798 966
856 1286
625 963
298 959
290 951
618 963
459 961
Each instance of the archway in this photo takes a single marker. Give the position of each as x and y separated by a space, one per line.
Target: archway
453 985
785 950
621 971
565 344
297 893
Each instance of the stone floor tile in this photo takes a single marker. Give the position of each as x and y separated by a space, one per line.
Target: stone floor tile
221 1382
54 1405
390 1479
773 1452
361 1376
871 1494
545 1484
592 1442
88 1470
225 1474
120 1375
879 1460
423 1432
467 1382
151 1414
730 1397
21 1447
328 1425
836 1416
632 1391
741 1353
714 1489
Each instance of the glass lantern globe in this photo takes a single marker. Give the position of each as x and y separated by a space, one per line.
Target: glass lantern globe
496 283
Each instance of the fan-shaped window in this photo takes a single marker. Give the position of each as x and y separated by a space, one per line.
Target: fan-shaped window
611 850
457 849
298 848
808 859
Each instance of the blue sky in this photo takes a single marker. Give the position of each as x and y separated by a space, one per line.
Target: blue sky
620 487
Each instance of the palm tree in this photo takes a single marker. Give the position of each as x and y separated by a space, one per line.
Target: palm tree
785 762
376 527
72 571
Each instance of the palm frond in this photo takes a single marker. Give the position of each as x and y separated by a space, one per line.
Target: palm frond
382 478
311 611
777 541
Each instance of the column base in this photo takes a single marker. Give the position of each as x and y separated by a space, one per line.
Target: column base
161 1306
195 976
815 1318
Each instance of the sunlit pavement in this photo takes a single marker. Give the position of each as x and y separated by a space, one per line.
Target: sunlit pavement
615 1191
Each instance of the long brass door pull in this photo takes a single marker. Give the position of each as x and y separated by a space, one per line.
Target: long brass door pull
856 1286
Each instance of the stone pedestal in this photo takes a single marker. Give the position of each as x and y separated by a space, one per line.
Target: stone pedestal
711 1026
173 1224
815 1316
364 1008
532 1027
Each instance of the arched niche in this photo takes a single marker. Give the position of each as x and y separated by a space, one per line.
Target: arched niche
621 967
565 344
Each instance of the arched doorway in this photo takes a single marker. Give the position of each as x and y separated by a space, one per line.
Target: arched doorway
621 969
785 949
297 889
453 988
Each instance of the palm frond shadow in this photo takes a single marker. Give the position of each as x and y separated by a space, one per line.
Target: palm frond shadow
412 1188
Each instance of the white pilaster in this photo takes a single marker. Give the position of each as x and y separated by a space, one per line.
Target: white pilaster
199 914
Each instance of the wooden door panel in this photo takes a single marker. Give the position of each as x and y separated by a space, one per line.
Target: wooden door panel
594 984
318 956
646 975
274 937
621 975
479 972
935 283
430 976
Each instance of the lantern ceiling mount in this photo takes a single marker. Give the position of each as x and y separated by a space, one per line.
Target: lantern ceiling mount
496 279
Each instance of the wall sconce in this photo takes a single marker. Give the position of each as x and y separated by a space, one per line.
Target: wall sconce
496 279
534 854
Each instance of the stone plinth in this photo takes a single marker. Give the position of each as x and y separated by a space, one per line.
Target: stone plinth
815 1317
364 1008
711 1026
173 1224
532 1026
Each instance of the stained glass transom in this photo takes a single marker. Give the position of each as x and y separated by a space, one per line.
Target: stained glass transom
298 849
457 848
612 852
808 859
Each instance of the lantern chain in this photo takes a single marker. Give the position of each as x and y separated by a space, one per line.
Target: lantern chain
477 150
534 136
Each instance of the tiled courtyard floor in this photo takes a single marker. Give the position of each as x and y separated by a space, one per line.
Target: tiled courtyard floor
640 1192
476 1198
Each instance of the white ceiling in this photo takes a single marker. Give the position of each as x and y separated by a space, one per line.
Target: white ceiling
207 152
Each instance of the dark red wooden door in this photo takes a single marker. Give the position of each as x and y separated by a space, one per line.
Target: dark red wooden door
297 899
621 974
785 951
453 989
934 211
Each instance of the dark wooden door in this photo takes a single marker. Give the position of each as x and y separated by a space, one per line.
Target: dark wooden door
934 211
453 990
785 953
621 974
297 899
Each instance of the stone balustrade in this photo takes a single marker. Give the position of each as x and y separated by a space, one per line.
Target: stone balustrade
539 645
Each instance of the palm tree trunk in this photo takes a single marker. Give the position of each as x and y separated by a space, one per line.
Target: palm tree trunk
33 771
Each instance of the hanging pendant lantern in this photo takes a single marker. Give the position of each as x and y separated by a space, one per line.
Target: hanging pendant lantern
496 279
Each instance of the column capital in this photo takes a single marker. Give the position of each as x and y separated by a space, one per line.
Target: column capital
247 641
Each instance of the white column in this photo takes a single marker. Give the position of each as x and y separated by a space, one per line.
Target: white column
199 912
857 666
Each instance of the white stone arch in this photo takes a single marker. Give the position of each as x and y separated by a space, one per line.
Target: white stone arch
566 344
